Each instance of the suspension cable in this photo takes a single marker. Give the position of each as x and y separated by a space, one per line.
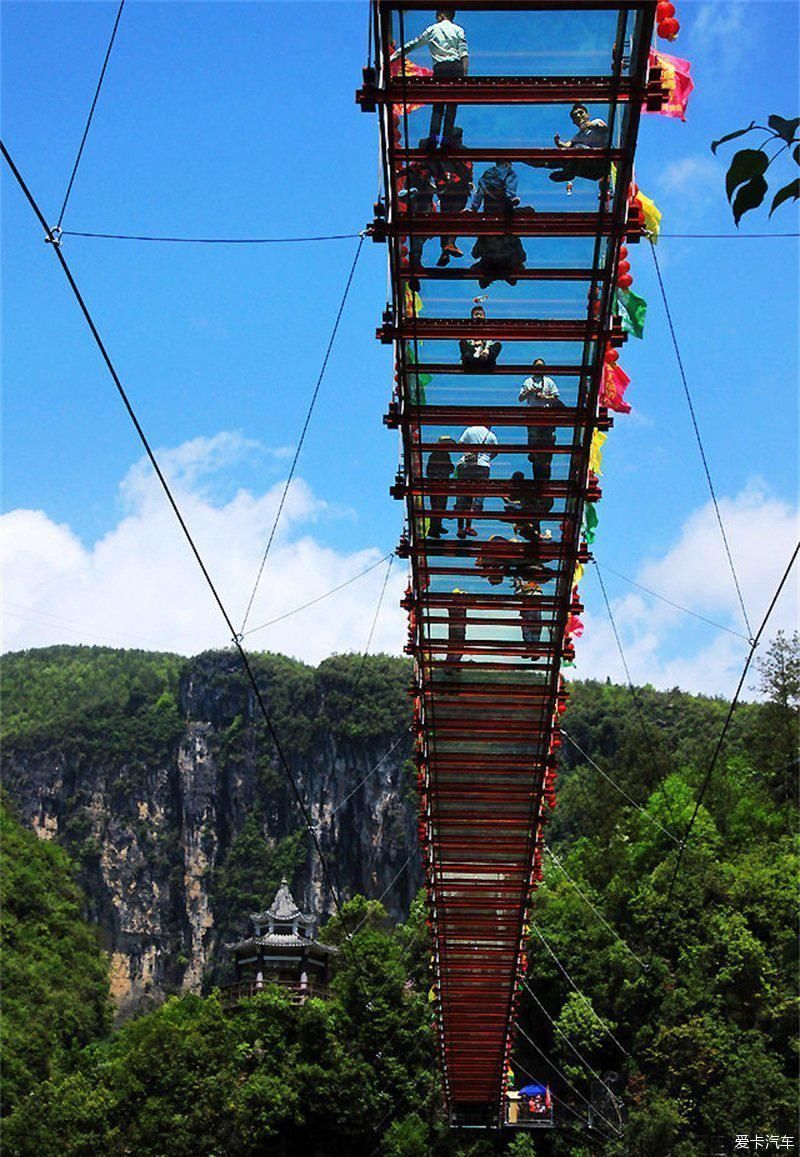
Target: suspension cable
89 118
621 790
599 915
574 986
210 240
698 436
354 690
561 1033
636 702
670 603
303 809
369 774
567 1081
718 748
303 432
319 598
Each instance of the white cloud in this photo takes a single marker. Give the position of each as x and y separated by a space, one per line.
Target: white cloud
723 33
667 648
139 585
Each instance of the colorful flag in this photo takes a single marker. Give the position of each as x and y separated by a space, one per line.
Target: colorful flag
416 382
412 302
676 76
615 383
411 69
590 521
596 452
652 216
632 309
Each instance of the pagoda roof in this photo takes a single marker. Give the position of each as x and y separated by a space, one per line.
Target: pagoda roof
283 908
280 941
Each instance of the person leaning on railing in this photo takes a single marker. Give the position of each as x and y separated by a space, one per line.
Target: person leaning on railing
448 46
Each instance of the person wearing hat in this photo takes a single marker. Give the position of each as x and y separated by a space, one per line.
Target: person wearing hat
438 469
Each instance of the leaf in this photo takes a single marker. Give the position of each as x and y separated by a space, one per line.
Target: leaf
791 190
746 164
785 129
749 197
731 136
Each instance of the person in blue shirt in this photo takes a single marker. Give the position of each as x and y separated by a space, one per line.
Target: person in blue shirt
497 190
497 257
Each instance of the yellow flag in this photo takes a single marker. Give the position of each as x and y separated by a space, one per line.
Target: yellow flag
578 575
413 303
596 451
652 216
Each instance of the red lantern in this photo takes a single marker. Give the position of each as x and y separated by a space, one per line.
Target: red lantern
633 192
668 29
612 355
624 267
625 281
623 252
664 10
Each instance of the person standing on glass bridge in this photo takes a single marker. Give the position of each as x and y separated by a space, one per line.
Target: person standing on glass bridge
542 392
448 46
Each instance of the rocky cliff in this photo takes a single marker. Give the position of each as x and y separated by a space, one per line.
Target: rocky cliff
158 775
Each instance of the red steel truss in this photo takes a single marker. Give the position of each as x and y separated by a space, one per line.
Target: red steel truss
488 608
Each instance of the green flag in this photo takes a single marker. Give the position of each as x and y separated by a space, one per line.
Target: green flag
416 382
632 309
590 522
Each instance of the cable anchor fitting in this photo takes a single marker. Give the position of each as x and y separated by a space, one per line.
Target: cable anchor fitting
53 236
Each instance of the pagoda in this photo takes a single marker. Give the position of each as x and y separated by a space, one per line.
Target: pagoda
282 950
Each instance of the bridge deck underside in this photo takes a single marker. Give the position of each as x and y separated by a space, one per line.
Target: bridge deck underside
494 542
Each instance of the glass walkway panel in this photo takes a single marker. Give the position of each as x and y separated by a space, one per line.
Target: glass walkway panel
503 248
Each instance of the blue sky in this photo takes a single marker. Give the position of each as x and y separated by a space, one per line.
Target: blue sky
239 120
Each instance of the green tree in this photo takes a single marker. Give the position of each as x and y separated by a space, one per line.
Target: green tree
746 181
55 977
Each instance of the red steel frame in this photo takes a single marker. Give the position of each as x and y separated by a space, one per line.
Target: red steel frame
486 707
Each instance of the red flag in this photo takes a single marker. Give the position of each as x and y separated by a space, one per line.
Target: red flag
412 69
676 74
548 1104
615 383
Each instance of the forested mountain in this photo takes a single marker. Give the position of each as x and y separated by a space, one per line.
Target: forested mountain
158 776
687 1011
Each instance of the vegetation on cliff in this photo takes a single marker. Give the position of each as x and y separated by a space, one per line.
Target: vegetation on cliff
700 996
55 978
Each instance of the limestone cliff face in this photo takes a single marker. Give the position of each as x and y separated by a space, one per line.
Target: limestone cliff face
178 837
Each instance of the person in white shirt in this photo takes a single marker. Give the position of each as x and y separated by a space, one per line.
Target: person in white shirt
474 465
540 391
448 48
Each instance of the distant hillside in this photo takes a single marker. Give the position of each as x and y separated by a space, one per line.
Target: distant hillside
157 775
155 772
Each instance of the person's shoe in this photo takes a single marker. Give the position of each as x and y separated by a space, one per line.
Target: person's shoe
444 259
453 250
461 534
472 532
